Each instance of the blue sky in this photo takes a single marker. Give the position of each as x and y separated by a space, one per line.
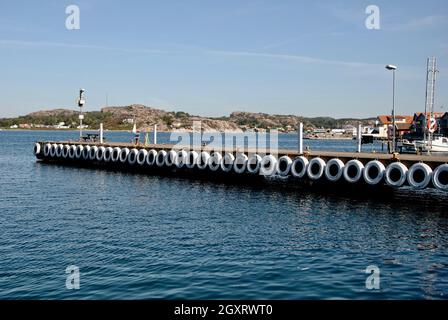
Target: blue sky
311 58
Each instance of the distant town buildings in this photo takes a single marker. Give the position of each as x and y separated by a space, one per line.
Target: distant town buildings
410 126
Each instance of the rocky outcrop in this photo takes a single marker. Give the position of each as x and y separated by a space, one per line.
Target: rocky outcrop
123 117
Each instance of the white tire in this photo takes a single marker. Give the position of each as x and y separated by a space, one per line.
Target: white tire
160 159
115 156
227 162
72 152
440 177
268 165
37 148
284 166
254 163
181 158
100 153
65 151
353 171
334 169
203 159
240 163
124 155
141 157
192 159
53 150
59 149
58 153
132 156
316 168
92 154
86 152
107 157
419 175
374 172
151 157
170 158
78 152
299 167
214 163
396 174
47 149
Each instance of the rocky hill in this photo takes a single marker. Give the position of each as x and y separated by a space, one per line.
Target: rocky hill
123 117
53 113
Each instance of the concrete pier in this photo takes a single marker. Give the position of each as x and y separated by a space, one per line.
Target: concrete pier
354 168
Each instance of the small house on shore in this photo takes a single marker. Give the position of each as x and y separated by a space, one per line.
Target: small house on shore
402 123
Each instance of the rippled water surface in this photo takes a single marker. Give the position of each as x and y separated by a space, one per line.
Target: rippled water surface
135 236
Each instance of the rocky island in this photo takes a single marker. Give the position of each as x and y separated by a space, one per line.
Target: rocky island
123 118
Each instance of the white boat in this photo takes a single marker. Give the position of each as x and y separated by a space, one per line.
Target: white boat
406 146
438 144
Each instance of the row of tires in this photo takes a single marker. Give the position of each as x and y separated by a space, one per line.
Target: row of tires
396 174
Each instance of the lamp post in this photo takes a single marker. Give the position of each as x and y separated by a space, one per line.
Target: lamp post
393 68
81 102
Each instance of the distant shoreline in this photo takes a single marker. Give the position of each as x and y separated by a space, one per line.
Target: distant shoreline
159 131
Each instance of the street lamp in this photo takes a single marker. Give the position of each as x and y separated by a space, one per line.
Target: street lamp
393 68
81 102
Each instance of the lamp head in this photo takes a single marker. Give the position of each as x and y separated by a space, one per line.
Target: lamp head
391 67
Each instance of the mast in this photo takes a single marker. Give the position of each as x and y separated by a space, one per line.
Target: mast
431 72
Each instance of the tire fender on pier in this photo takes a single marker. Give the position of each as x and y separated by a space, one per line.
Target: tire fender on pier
47 149
334 169
254 163
353 171
107 154
115 156
227 162
170 158
72 152
59 149
132 156
37 148
419 175
78 152
192 159
151 157
141 156
268 165
65 151
181 158
284 166
299 167
124 155
396 174
374 172
203 160
240 163
316 168
53 148
160 159
100 153
92 154
214 163
86 152
440 177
